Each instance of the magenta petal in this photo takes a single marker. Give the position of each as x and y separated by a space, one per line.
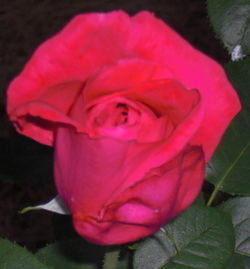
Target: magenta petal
93 179
87 169
153 40
122 185
98 41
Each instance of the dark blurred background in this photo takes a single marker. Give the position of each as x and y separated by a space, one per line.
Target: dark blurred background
26 176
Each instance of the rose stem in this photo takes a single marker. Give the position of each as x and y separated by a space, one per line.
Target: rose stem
111 258
226 174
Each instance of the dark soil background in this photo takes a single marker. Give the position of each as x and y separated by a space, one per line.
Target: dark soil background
26 176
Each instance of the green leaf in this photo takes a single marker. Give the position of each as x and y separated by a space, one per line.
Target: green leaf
231 22
229 169
201 238
125 260
71 254
239 261
239 208
239 75
12 256
200 200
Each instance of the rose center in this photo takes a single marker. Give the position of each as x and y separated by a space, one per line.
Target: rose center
121 114
123 119
116 114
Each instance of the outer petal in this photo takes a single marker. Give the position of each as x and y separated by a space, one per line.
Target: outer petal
93 41
39 118
110 188
153 40
87 43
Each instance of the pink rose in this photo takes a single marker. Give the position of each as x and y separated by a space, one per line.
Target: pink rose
133 111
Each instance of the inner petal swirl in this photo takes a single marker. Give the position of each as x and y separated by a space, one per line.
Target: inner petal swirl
124 119
115 115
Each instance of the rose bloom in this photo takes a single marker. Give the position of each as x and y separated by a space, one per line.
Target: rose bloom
133 112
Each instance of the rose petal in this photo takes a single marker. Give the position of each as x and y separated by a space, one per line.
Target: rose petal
153 40
93 42
100 180
99 155
143 208
38 118
170 102
125 74
142 124
71 55
163 96
166 97
85 166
